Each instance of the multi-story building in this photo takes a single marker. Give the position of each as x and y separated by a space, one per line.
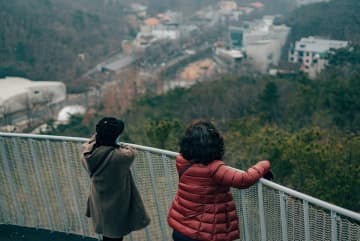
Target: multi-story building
312 53
263 41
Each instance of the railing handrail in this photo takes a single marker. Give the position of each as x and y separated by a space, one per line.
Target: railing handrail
313 200
82 139
326 205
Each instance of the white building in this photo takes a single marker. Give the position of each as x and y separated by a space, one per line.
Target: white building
166 31
166 26
263 42
263 30
311 53
306 2
19 96
229 57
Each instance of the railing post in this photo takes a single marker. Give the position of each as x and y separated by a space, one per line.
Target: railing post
333 226
160 214
261 212
9 179
306 220
284 230
40 181
245 216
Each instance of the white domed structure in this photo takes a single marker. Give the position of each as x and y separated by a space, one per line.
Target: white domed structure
66 112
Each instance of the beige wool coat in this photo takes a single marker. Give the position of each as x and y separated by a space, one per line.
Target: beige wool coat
114 203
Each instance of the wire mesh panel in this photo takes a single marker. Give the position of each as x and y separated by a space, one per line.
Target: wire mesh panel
44 185
152 175
249 213
347 230
320 224
295 219
10 210
272 213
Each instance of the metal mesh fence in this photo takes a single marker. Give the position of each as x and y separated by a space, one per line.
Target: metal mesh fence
44 185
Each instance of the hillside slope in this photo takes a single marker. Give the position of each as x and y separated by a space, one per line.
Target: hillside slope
41 39
337 19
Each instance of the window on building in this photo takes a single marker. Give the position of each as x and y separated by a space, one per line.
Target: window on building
36 92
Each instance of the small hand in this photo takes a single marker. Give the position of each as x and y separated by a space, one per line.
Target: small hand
92 138
269 175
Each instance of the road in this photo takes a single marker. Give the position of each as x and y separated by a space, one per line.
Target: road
114 63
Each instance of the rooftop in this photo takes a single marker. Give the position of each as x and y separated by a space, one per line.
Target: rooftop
118 63
305 2
13 86
312 44
151 21
232 53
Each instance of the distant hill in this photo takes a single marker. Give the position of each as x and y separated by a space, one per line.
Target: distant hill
41 39
337 19
62 39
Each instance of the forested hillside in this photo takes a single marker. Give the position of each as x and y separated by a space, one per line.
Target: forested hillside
308 129
47 39
337 19
41 39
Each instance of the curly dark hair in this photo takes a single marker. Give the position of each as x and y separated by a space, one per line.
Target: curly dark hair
202 143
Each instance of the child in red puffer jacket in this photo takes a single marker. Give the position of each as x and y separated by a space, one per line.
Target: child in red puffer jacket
203 208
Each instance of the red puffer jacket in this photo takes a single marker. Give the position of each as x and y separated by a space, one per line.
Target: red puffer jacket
203 208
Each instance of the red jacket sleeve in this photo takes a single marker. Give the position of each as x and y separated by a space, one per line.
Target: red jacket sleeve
228 176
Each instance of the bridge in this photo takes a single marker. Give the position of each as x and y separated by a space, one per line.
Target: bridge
44 186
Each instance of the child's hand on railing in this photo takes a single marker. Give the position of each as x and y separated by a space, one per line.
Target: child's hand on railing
269 176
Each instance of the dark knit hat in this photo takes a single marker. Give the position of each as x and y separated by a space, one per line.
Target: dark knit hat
107 130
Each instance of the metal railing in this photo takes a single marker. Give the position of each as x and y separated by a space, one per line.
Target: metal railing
43 185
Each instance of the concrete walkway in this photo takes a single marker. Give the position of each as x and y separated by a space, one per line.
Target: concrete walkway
17 233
